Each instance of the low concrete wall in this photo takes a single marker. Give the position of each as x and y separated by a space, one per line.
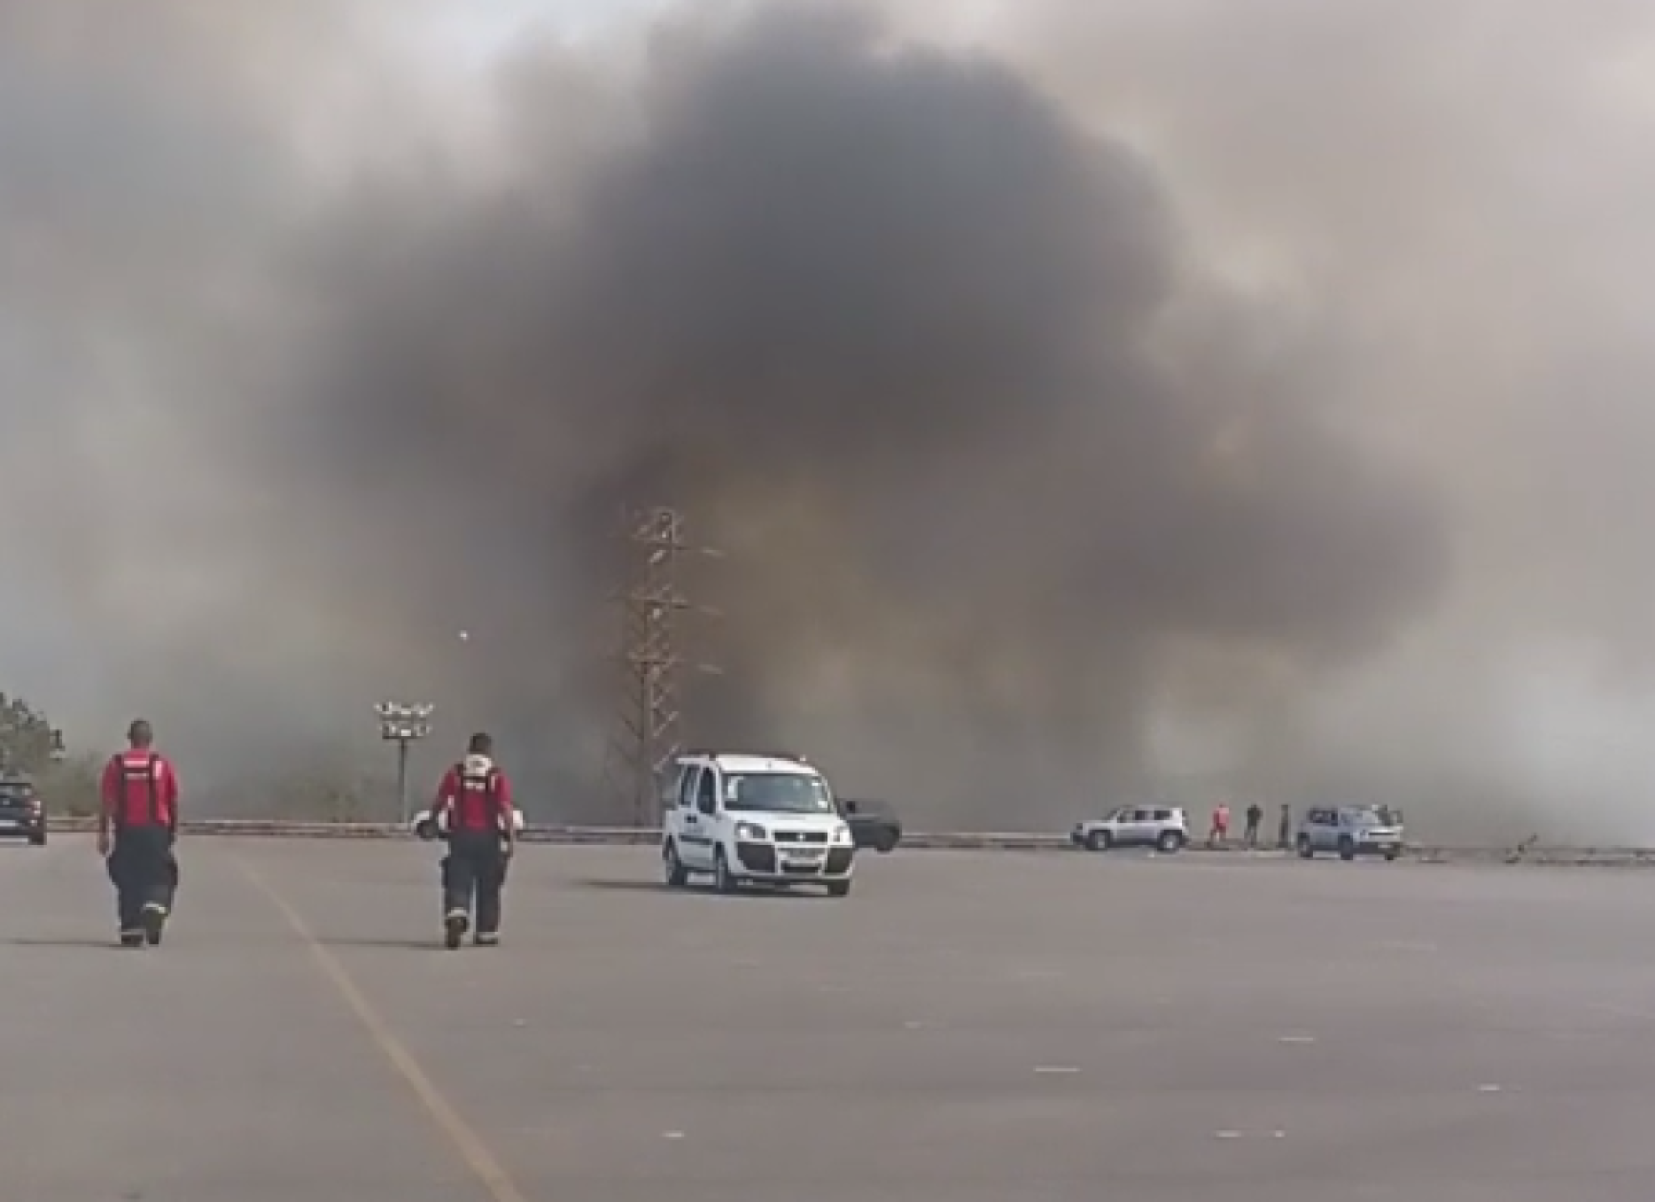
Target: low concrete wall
918 840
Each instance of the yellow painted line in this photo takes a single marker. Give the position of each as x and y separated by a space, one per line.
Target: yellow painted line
482 1162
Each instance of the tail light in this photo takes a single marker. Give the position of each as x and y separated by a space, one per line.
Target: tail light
36 805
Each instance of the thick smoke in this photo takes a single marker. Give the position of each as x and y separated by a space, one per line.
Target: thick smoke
1027 499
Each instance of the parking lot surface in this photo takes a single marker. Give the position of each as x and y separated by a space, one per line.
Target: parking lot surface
965 1027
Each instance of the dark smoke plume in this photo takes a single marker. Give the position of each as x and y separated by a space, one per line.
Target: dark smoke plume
1009 481
887 325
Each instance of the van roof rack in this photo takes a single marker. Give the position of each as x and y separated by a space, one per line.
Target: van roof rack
762 755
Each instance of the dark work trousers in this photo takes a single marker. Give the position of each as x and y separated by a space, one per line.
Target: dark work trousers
144 870
475 868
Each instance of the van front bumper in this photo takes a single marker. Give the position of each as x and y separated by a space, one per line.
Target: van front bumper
765 862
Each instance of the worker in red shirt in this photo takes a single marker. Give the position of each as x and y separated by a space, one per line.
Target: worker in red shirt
137 826
1220 833
474 810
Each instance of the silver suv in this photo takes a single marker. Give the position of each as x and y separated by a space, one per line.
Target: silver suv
1164 828
1350 831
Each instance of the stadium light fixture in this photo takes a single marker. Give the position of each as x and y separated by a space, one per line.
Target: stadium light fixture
404 724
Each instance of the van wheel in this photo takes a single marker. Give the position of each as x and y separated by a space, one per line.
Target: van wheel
838 888
1169 842
677 875
1305 850
38 840
1390 856
1347 848
1098 841
723 879
886 844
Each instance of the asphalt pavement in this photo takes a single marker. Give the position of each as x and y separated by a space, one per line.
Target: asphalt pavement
966 1027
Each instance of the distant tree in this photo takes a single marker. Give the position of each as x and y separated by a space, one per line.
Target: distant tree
28 741
313 789
323 795
70 786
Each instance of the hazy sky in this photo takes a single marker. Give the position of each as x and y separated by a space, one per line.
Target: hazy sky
481 29
1091 393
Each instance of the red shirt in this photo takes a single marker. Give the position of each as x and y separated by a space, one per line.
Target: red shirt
476 801
140 788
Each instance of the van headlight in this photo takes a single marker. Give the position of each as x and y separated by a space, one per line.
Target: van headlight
841 834
752 832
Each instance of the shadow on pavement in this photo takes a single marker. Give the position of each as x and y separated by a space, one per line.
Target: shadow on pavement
433 944
623 885
67 941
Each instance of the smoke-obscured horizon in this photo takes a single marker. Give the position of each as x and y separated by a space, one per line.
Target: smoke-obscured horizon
1088 401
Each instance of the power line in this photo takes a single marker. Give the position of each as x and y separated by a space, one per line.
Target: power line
648 730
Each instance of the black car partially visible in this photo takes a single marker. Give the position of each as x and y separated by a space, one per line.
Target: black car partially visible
22 813
873 824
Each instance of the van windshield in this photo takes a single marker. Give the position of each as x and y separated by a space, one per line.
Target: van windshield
776 793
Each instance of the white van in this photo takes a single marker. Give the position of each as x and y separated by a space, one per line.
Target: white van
754 819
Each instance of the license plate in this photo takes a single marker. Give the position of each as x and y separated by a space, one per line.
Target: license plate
806 860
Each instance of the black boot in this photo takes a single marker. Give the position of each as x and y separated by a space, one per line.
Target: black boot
155 921
454 927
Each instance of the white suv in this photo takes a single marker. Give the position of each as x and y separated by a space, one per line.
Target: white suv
1164 828
754 818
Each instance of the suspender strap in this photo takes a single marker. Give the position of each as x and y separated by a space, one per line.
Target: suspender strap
491 789
152 786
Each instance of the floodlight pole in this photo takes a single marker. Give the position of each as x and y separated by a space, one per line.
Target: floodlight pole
403 723
402 781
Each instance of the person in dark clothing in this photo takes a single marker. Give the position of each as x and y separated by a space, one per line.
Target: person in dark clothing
1255 815
137 829
1284 832
474 809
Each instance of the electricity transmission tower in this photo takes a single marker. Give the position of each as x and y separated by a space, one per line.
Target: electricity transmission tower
648 731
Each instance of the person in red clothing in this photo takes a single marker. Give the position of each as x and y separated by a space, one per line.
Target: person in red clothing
474 809
1220 833
137 826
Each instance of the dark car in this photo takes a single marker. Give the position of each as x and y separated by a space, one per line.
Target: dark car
873 824
22 813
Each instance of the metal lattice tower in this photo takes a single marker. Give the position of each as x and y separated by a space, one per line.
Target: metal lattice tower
648 733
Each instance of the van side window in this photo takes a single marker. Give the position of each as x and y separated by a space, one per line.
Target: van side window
686 787
706 798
